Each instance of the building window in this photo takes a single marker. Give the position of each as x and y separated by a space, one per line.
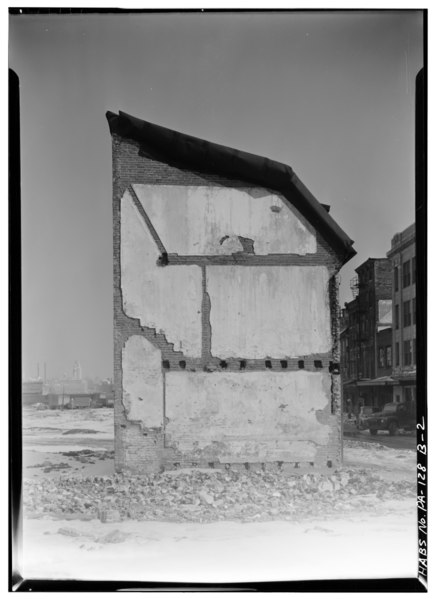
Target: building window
406 276
397 316
407 352
413 268
396 278
414 351
406 314
389 355
397 353
414 311
381 357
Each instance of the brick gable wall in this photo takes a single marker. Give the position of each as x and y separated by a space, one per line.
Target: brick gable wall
143 450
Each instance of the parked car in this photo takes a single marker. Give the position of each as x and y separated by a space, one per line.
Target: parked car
393 417
362 418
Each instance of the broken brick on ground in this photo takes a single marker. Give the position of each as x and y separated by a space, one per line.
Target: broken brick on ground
210 495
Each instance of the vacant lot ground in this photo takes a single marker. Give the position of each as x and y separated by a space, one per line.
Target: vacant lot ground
81 520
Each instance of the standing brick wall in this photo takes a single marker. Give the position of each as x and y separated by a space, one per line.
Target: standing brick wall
141 450
383 279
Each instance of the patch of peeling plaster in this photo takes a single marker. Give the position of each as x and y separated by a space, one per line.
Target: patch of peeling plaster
279 311
166 299
244 416
192 220
142 382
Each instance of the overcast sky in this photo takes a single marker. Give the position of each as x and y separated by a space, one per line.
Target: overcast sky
330 94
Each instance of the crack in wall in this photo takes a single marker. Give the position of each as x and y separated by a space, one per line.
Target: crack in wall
206 322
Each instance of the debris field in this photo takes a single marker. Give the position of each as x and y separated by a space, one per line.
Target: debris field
210 495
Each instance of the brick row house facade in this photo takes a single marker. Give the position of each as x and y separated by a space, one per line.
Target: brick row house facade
378 329
226 313
366 338
402 256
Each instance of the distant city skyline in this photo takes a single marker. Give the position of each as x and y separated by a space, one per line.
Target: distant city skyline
41 373
64 376
331 94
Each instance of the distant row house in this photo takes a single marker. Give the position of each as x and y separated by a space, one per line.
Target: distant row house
402 257
378 329
366 338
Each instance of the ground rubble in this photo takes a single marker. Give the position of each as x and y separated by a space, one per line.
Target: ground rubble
210 495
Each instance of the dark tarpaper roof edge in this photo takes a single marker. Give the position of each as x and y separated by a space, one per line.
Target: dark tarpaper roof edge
193 153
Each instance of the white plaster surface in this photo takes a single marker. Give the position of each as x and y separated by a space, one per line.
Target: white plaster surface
254 416
194 220
142 382
276 311
168 299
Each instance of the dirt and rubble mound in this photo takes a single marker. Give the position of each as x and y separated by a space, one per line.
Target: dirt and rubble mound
210 495
89 455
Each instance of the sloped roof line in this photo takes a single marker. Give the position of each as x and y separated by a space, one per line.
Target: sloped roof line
186 151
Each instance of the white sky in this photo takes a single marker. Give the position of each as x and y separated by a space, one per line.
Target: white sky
330 94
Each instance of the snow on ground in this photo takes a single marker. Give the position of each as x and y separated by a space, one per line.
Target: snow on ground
369 546
50 434
393 464
373 535
46 424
